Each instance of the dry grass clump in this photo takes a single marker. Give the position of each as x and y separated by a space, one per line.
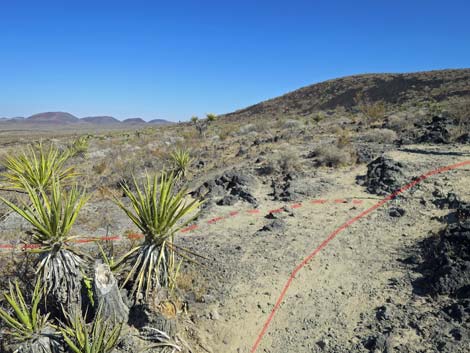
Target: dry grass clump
332 156
399 122
384 136
461 112
373 111
343 139
100 168
292 124
246 129
289 160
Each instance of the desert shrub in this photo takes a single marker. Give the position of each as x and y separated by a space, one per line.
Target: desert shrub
159 212
36 167
373 111
289 160
292 124
461 112
100 168
331 156
194 119
318 117
399 122
380 136
246 129
343 138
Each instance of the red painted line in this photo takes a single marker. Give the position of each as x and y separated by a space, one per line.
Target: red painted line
233 213
357 202
188 229
6 246
277 210
321 201
296 205
134 236
30 246
83 240
335 233
340 201
255 211
214 220
111 238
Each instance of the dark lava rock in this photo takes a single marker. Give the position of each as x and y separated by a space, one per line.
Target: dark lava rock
276 225
446 269
396 211
436 130
451 200
365 154
458 311
384 176
384 313
465 138
379 343
228 188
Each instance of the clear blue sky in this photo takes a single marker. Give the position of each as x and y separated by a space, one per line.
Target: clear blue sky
173 59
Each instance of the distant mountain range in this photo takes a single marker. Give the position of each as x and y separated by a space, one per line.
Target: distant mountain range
63 118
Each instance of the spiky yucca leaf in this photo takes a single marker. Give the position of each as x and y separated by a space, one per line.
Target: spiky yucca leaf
36 167
99 337
159 212
26 322
79 147
181 161
52 216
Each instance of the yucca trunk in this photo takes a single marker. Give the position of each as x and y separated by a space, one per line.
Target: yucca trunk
46 342
62 274
153 268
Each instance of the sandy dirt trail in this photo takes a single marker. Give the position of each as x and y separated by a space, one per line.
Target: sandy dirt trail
352 275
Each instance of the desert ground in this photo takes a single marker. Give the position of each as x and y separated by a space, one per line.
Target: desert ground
276 180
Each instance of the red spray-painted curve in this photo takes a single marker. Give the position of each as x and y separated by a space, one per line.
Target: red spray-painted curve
335 233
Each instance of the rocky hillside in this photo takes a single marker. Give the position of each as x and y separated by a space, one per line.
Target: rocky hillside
392 89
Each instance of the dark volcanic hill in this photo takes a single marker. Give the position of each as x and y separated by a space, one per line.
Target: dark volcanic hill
134 121
160 122
391 88
53 117
101 120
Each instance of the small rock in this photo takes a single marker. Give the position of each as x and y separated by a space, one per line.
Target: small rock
396 211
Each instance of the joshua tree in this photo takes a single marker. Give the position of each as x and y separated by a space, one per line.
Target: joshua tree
211 117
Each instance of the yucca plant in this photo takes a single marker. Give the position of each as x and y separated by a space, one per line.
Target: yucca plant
27 325
98 337
79 147
52 216
211 117
159 211
36 167
181 159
